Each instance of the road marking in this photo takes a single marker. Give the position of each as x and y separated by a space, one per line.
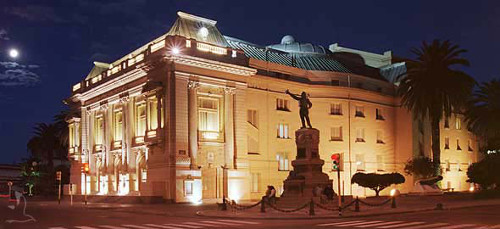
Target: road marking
85 227
238 221
201 224
495 227
112 227
162 226
458 226
402 225
222 223
380 224
359 223
182 226
337 223
137 226
428 226
57 228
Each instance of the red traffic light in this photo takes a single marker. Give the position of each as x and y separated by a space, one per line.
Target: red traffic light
85 167
335 157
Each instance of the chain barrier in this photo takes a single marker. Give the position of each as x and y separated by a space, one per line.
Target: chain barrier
288 210
345 207
239 207
376 205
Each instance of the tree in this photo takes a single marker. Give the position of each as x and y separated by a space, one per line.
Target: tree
421 167
485 172
431 87
377 182
482 113
46 144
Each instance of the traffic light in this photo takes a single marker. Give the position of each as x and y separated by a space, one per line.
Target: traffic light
85 168
336 161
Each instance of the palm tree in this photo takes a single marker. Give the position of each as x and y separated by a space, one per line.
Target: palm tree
482 113
45 144
431 87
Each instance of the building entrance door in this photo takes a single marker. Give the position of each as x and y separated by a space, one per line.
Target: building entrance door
209 181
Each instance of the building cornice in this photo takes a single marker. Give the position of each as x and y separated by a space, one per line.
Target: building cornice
212 65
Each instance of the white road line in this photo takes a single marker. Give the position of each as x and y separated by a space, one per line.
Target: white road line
201 224
85 227
458 226
357 224
182 226
494 227
162 226
137 226
380 224
402 225
57 228
222 223
337 223
238 221
428 226
111 227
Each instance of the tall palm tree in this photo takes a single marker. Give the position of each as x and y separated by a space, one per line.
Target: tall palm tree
482 113
45 144
431 87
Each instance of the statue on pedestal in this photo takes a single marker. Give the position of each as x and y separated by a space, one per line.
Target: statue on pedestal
304 104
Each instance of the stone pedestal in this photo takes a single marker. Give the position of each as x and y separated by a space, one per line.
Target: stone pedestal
307 167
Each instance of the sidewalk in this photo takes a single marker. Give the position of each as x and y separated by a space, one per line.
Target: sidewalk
405 204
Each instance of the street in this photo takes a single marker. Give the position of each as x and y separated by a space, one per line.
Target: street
49 215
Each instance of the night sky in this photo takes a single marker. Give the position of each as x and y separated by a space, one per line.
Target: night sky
59 40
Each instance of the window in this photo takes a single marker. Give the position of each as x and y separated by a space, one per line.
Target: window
446 143
469 145
99 130
379 115
458 145
140 119
335 82
188 187
252 117
458 123
380 163
282 131
360 112
360 162
380 137
208 109
153 113
336 109
446 122
283 162
118 134
360 135
448 166
282 105
458 166
255 181
336 134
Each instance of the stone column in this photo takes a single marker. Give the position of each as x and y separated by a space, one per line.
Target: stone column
125 133
193 122
229 127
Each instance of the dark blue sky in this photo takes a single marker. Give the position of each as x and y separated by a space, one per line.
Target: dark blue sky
58 40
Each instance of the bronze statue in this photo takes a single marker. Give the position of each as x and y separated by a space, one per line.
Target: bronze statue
304 104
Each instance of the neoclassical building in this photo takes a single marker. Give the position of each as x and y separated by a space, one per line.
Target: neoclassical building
196 115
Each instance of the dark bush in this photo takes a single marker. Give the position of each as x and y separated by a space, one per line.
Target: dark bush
421 167
485 172
377 182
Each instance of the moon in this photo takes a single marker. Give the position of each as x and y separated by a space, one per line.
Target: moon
13 53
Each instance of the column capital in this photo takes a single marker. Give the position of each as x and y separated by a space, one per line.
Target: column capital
124 99
193 85
230 90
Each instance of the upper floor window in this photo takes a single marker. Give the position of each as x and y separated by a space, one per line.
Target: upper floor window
140 119
360 111
255 179
447 165
252 117
282 105
282 131
153 113
446 143
446 122
360 135
283 162
380 163
469 145
118 120
458 123
360 162
379 114
380 137
74 134
99 130
336 109
458 145
208 109
336 134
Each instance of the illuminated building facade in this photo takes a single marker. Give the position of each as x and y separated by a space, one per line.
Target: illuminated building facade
197 115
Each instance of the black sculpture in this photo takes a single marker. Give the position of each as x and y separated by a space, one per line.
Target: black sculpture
304 104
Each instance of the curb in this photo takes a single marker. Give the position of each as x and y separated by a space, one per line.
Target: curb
201 214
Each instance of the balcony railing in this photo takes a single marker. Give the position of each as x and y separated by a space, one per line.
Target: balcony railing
210 136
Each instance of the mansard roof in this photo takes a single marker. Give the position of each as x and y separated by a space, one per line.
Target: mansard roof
198 28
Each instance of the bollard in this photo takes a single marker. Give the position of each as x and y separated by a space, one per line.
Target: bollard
311 207
340 211
263 205
393 204
356 205
224 204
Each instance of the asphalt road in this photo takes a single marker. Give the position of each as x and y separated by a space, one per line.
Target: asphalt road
49 215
